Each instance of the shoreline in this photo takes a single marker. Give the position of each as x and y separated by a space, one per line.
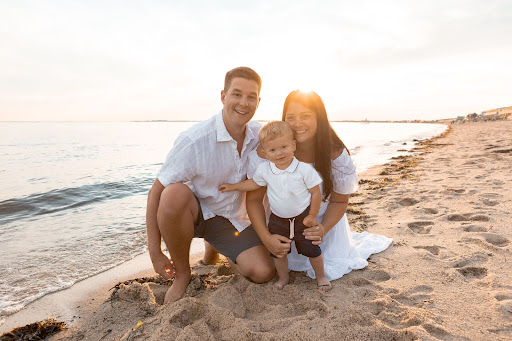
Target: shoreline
64 304
445 275
70 304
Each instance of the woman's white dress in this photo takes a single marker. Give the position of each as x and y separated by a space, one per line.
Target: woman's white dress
342 249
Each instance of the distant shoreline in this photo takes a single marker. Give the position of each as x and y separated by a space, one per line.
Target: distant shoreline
442 121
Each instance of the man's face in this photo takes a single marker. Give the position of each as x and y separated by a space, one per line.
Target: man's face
240 102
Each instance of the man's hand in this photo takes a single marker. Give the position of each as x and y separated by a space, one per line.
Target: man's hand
278 245
162 265
310 221
227 187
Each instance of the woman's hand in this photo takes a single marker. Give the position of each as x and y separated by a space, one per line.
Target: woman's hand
278 245
315 234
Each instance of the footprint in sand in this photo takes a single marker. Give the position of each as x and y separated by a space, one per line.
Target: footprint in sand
476 259
473 272
421 227
506 307
437 331
408 201
401 312
377 275
430 210
474 228
502 296
467 217
432 249
415 297
359 282
490 199
490 202
495 239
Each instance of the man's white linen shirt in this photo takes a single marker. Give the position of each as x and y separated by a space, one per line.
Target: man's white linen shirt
287 189
204 157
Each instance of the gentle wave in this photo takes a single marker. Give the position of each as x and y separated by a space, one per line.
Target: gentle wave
69 198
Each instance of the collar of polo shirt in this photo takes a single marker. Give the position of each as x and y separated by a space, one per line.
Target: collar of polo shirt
290 169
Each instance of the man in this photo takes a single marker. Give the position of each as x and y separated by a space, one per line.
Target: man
184 201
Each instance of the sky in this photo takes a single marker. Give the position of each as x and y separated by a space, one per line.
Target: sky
166 60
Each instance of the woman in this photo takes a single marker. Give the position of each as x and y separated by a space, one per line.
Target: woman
318 144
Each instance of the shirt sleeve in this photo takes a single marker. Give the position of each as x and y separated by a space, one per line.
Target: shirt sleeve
258 176
311 176
180 166
344 174
254 162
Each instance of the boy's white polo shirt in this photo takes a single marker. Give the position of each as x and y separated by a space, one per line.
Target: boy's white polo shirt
287 189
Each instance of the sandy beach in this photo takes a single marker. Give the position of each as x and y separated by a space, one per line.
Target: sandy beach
447 275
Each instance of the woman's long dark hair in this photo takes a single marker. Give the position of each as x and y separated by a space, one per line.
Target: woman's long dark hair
326 141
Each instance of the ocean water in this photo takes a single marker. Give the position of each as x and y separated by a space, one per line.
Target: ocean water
73 195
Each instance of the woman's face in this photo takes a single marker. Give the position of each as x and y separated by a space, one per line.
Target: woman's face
303 122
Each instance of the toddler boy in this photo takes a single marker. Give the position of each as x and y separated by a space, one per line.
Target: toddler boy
293 191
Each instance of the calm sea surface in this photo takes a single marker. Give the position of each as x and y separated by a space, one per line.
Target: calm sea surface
73 195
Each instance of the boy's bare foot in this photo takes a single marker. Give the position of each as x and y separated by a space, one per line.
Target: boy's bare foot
281 282
323 284
177 289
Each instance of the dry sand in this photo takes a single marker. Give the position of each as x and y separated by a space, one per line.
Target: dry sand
447 276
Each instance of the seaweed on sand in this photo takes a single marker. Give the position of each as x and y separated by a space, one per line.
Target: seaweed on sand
34 331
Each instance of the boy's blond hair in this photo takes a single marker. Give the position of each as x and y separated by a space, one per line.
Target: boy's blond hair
274 129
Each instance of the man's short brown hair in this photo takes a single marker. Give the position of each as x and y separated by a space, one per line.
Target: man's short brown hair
241 72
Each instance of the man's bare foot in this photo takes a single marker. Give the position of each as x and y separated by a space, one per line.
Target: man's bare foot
281 282
177 290
211 256
323 284
211 259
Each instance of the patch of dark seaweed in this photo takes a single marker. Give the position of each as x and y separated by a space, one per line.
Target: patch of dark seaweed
35 331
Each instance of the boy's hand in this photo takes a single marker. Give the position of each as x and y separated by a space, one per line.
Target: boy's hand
226 188
310 221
